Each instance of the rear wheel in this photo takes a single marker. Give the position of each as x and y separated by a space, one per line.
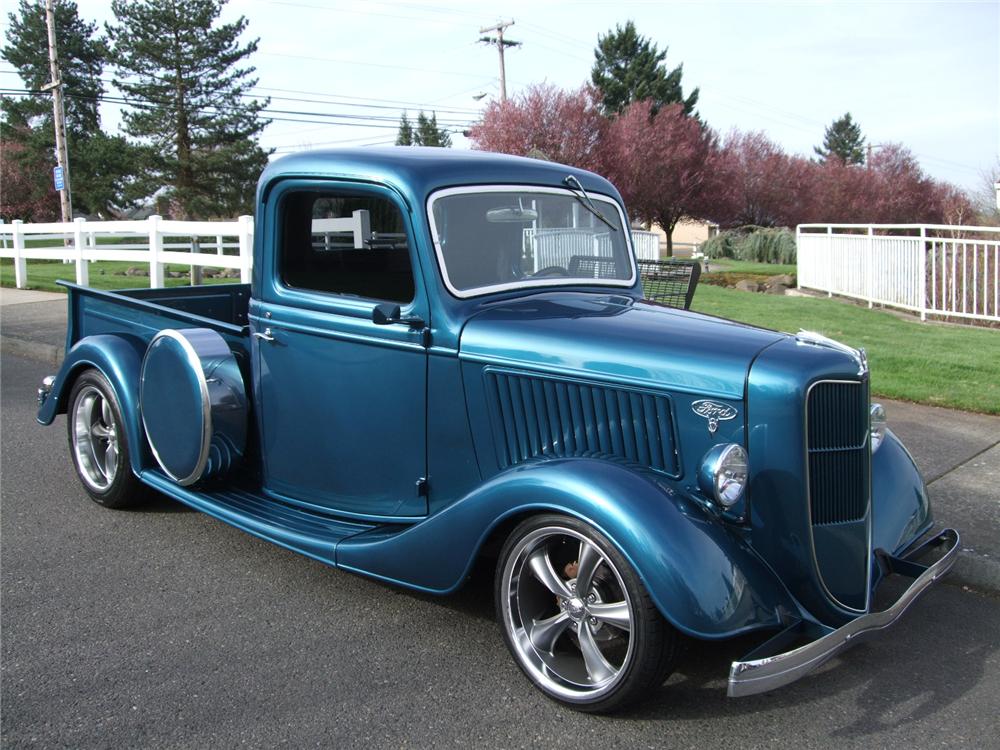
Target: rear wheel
576 617
98 443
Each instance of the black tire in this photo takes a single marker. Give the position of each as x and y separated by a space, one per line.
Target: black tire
98 443
631 659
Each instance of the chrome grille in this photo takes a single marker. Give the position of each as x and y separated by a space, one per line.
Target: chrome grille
839 456
536 416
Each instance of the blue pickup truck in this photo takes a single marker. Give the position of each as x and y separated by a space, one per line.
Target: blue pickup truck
446 355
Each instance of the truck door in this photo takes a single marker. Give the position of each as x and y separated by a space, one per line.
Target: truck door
341 400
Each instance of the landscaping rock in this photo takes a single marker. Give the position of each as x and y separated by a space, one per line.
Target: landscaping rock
747 285
785 280
176 274
135 271
775 288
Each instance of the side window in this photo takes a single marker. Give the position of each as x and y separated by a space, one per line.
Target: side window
343 244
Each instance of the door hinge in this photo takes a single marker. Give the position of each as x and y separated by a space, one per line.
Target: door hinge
422 487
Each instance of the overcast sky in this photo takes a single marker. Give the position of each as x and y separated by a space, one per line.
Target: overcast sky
926 74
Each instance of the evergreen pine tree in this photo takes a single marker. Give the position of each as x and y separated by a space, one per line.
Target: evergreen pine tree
629 68
843 141
429 134
101 166
186 78
405 135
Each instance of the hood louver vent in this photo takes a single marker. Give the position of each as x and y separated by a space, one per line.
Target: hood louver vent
535 417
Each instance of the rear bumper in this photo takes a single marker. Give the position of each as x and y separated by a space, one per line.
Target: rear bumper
769 666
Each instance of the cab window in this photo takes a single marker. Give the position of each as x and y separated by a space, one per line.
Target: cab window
350 245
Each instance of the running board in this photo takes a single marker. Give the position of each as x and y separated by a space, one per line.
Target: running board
310 534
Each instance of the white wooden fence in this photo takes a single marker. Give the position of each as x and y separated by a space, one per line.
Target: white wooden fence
556 247
930 269
154 242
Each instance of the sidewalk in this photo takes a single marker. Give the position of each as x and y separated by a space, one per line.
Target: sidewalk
33 324
958 452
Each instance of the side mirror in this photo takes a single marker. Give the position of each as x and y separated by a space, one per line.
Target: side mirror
385 314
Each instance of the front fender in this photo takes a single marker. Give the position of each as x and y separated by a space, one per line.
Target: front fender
119 358
705 581
900 508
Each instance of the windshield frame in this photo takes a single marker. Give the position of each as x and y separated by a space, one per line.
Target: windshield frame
527 282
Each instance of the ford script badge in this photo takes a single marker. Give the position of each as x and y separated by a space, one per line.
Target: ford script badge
714 412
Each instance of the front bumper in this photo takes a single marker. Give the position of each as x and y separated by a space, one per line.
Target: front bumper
769 666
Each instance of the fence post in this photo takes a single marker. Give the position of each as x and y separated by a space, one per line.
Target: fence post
20 266
798 256
245 231
869 263
829 260
195 269
82 271
155 250
923 273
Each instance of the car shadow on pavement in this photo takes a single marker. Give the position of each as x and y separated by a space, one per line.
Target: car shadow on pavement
918 670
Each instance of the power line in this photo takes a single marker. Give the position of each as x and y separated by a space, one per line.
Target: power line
271 113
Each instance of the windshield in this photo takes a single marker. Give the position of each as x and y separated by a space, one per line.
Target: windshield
493 239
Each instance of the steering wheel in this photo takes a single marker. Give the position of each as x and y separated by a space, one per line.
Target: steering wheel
550 271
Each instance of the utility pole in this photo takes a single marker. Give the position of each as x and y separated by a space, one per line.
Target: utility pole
500 43
58 113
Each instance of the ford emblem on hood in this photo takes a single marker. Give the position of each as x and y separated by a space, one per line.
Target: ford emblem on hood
714 412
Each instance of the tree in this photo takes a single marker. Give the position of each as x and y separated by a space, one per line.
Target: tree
429 134
26 194
545 122
186 78
426 133
843 141
764 186
405 135
666 167
629 68
98 163
985 198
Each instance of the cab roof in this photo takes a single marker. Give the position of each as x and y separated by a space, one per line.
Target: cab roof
418 171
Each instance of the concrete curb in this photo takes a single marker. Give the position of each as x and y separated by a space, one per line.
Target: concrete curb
32 350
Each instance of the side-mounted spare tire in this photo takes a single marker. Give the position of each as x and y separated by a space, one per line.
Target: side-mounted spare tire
194 405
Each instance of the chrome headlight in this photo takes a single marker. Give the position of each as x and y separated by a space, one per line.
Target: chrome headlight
723 474
878 423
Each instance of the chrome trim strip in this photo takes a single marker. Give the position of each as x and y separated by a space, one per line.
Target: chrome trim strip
525 283
867 516
194 361
768 673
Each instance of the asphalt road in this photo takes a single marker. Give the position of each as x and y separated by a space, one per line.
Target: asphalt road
165 628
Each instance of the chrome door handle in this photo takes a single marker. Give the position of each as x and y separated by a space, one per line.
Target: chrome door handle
265 336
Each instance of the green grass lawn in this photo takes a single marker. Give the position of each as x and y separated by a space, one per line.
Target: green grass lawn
42 275
929 363
728 265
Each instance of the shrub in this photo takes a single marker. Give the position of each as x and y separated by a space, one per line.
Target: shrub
754 244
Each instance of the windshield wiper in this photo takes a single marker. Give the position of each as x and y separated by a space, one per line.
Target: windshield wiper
571 180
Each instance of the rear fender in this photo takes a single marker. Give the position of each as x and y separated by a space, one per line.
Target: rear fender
705 580
119 359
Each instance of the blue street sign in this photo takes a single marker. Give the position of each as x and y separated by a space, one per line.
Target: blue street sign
57 177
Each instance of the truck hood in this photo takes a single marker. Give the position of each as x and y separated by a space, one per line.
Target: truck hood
617 338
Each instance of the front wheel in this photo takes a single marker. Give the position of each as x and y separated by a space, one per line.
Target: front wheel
576 617
98 443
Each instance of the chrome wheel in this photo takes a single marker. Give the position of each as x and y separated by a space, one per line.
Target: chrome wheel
95 436
568 613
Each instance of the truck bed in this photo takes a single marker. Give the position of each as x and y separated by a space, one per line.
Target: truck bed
144 312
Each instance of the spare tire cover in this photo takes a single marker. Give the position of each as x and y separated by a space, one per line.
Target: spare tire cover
193 404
